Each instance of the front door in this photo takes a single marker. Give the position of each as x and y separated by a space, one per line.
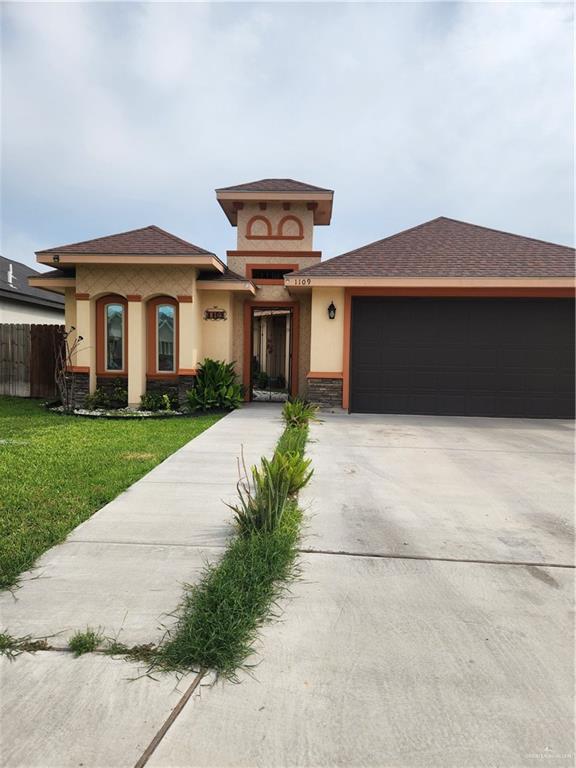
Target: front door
271 360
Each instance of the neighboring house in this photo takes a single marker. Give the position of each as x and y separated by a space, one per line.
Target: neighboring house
21 303
444 318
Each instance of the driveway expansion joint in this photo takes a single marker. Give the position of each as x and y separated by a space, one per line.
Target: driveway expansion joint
475 561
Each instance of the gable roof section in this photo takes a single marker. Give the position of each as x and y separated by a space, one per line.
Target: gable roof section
150 240
20 291
447 248
274 185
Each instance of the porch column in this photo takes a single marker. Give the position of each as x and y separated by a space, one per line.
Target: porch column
136 350
188 335
84 362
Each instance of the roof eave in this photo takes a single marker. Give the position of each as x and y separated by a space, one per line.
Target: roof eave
205 261
317 281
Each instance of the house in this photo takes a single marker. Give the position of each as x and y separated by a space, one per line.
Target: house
21 303
444 318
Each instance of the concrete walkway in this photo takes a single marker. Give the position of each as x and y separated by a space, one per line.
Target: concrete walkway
121 571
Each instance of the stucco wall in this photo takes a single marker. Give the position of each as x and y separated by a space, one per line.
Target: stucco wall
147 281
274 213
216 335
327 336
18 312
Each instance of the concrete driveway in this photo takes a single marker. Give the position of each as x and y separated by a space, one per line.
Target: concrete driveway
433 622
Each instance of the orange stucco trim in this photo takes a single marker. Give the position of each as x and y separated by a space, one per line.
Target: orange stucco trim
275 254
111 298
151 362
250 224
78 368
247 341
447 291
278 265
325 375
184 299
187 371
280 233
82 296
133 297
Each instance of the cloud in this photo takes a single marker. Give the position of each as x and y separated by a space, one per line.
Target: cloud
118 115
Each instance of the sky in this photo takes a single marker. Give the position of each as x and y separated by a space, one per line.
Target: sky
121 115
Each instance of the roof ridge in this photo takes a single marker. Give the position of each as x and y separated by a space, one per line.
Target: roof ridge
176 238
503 232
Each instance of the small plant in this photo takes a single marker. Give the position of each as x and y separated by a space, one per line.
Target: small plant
85 642
158 401
216 388
294 468
262 498
12 647
97 400
118 394
262 380
297 413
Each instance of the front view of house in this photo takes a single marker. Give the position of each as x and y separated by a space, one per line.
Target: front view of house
444 318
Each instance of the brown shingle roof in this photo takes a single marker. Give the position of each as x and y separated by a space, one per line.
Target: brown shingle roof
274 185
148 240
449 248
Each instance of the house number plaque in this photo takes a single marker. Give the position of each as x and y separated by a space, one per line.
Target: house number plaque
215 314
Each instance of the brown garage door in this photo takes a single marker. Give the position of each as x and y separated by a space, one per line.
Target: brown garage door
468 357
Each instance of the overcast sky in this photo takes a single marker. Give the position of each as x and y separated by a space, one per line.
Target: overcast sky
120 115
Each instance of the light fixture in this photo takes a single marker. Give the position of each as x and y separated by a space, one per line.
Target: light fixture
56 258
331 311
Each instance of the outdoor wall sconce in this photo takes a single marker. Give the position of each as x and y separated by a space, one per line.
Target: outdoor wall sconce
331 311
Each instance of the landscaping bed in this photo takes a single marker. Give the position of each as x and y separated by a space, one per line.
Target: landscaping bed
55 472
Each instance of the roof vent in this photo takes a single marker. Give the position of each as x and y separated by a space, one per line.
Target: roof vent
11 276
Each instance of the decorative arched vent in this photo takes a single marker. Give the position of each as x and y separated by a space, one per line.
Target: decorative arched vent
290 228
258 228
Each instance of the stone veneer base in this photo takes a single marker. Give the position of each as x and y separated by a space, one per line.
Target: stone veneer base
325 391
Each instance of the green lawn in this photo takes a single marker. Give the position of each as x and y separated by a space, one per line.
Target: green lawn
55 471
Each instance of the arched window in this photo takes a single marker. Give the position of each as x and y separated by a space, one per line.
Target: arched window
111 335
162 337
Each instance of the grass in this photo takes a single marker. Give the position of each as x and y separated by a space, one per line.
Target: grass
85 642
13 646
56 471
220 616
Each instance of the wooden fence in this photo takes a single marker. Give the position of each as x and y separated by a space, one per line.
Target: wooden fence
28 359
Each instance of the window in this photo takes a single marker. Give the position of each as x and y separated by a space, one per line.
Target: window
270 274
162 342
114 329
166 338
111 335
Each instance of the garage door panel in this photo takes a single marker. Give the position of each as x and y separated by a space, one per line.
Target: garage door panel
485 357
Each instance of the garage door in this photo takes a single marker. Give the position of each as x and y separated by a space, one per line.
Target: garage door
468 357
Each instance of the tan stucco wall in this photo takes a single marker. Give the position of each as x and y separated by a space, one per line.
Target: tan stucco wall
327 336
274 213
216 334
124 279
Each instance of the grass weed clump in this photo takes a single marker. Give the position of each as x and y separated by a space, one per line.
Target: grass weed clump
220 616
85 642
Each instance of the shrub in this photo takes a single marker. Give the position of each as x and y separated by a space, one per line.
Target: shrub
216 388
158 401
262 380
98 399
297 413
118 394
